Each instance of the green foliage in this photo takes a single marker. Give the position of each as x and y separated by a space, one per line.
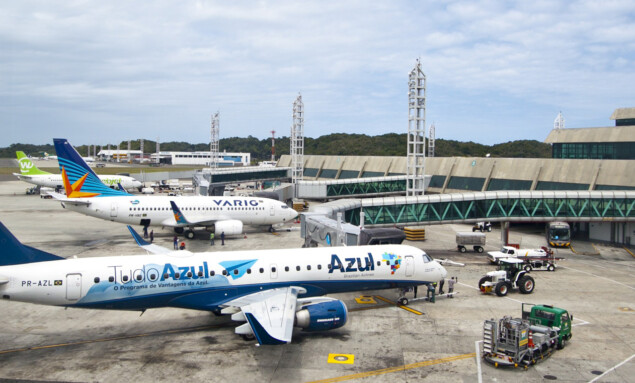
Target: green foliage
391 144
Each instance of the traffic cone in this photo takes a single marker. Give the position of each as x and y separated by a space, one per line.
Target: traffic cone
531 340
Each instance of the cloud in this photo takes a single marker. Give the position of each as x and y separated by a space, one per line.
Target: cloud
117 70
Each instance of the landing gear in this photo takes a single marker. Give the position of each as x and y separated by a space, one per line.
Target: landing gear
248 337
403 301
189 234
271 229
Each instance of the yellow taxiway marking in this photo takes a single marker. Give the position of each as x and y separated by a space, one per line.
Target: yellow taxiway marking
398 305
341 358
366 299
123 337
396 369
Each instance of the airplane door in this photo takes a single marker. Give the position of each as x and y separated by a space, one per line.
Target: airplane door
272 210
113 209
274 271
410 265
73 287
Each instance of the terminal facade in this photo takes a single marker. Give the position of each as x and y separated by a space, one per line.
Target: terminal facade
581 172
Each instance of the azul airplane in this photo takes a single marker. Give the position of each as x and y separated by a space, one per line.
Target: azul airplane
271 291
31 174
86 195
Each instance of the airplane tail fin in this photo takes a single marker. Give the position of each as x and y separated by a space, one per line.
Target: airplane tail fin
27 167
77 175
178 216
13 252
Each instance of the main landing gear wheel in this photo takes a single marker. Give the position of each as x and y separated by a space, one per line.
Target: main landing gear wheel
248 337
189 234
403 301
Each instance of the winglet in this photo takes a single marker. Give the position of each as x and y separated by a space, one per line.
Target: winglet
261 334
178 216
147 246
13 252
27 167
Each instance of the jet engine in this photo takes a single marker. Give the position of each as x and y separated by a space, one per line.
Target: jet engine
322 316
230 227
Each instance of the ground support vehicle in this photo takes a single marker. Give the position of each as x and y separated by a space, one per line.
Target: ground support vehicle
476 240
510 275
528 340
548 263
482 226
512 252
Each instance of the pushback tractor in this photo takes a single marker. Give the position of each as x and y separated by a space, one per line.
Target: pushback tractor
528 340
510 275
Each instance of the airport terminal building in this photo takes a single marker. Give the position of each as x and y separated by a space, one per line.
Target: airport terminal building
585 159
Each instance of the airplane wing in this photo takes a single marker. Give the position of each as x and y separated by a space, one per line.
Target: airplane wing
269 314
147 246
70 201
3 280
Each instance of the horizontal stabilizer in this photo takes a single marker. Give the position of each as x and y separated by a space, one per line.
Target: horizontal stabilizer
13 252
70 201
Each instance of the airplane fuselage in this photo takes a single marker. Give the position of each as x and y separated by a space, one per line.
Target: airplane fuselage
156 210
55 180
204 281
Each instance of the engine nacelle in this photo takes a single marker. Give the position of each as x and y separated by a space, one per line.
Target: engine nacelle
322 316
230 227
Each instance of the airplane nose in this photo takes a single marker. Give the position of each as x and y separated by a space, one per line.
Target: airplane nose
443 271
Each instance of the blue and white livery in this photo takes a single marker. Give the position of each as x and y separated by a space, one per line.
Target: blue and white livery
270 291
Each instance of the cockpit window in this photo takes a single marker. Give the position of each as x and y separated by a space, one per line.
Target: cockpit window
426 258
284 206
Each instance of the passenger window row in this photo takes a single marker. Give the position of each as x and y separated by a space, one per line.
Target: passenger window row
212 273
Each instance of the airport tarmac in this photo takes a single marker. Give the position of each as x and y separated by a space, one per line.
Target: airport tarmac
380 343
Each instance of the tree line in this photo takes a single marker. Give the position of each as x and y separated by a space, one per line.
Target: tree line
344 144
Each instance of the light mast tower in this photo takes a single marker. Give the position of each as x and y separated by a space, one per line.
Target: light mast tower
213 144
297 142
416 131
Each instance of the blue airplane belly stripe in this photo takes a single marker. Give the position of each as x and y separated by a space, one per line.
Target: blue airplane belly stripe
206 298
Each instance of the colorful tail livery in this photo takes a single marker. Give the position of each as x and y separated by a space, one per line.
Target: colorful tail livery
79 179
27 167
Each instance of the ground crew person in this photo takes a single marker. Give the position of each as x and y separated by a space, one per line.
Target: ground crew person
431 290
451 287
176 242
222 238
211 238
441 283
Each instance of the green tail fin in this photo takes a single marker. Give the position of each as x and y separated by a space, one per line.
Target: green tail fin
27 167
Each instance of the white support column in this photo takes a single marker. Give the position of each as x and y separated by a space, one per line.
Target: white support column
416 131
431 134
213 146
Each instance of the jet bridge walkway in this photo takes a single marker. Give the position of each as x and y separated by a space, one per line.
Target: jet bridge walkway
517 206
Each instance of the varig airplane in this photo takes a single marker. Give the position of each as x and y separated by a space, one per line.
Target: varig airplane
31 174
86 195
272 291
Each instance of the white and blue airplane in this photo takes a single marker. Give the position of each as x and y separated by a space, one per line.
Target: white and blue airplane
87 195
271 291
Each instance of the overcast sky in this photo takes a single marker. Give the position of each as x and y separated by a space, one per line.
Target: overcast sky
99 72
